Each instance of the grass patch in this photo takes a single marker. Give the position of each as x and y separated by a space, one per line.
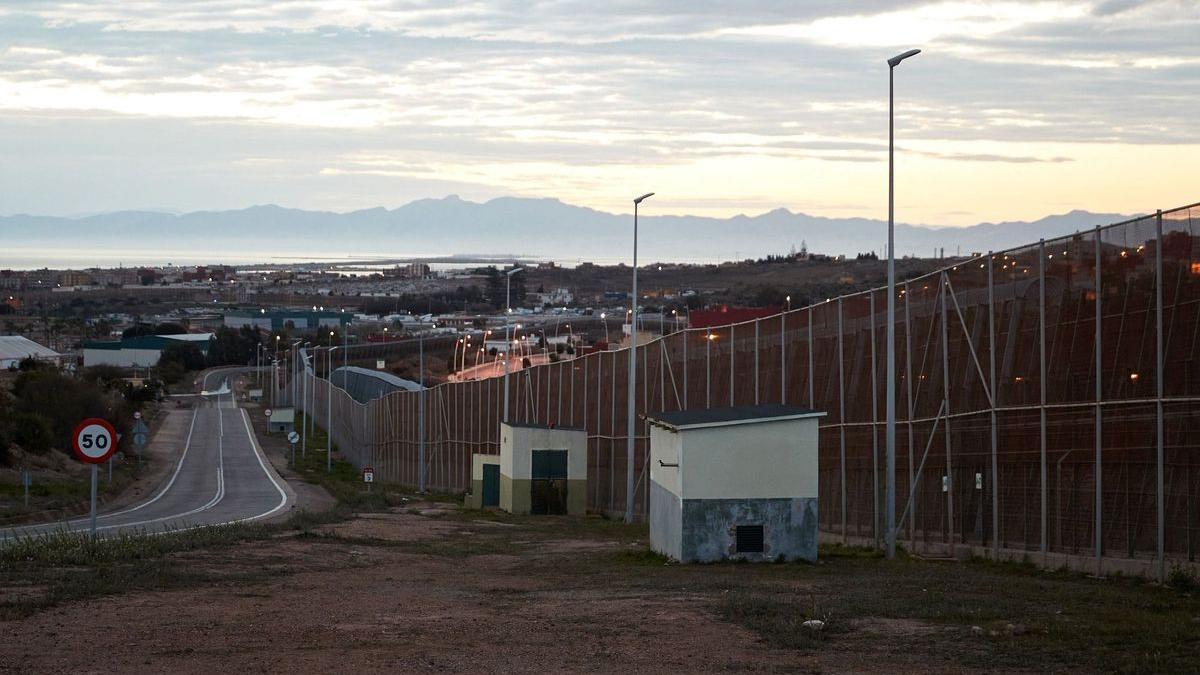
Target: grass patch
42 571
1023 615
343 480
780 619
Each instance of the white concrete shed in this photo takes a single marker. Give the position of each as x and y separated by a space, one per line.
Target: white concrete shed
734 483
543 469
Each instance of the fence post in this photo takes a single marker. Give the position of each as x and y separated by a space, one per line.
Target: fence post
811 375
946 399
756 332
783 357
708 340
1099 424
842 418
732 361
994 483
685 369
912 530
874 426
1158 380
1045 486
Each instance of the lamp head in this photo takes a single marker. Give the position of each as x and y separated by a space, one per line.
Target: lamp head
895 60
640 199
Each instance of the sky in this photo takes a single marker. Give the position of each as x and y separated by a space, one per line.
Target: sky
1014 110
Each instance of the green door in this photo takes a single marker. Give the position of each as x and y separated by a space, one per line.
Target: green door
491 485
548 487
549 465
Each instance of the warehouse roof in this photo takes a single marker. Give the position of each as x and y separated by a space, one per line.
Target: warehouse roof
283 416
152 342
19 347
720 417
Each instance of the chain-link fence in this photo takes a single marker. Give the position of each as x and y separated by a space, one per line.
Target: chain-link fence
1046 396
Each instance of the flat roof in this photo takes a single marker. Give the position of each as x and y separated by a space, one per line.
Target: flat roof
19 347
283 415
719 417
527 425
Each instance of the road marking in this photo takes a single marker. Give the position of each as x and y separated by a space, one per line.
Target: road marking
270 476
187 444
217 498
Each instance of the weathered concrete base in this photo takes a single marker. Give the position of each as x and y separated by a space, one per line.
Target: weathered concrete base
707 530
666 521
1143 567
474 500
515 496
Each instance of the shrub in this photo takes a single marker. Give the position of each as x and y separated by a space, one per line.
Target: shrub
32 432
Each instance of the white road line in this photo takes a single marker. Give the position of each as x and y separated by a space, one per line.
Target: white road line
187 444
258 454
220 495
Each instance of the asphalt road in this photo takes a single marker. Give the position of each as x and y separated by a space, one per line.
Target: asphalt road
221 476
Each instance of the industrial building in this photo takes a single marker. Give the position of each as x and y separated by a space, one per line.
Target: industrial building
284 319
16 348
282 421
485 482
543 469
734 483
139 352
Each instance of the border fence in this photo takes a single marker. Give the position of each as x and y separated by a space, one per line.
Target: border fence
1047 399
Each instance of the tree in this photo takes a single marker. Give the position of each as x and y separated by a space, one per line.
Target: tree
186 355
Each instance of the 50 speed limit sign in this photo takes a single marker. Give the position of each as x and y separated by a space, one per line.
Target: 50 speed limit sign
94 440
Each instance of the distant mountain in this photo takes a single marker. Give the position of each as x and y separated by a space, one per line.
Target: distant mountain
507 226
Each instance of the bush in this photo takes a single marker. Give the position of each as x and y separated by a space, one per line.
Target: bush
32 432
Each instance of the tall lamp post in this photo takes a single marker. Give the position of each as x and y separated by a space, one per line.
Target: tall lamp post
329 406
631 423
507 336
890 495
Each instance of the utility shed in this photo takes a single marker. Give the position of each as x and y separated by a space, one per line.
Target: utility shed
485 481
283 420
543 469
734 483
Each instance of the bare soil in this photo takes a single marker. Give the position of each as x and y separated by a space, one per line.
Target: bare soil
428 586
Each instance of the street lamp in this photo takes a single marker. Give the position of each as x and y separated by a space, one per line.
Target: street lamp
890 495
329 407
507 336
604 320
631 423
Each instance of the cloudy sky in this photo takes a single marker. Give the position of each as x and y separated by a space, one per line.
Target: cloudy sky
1014 111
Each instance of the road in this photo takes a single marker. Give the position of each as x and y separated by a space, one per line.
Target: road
221 476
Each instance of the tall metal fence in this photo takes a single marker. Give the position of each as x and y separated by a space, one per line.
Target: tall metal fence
1048 399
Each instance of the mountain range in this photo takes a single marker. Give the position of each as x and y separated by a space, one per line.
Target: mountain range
500 228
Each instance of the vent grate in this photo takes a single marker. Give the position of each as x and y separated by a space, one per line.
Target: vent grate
749 538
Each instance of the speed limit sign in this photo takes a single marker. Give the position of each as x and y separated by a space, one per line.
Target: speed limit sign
94 440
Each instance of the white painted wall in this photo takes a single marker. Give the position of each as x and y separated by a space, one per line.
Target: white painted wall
765 460
519 465
125 358
477 462
665 446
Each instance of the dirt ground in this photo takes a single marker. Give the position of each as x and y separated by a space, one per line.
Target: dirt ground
430 587
420 589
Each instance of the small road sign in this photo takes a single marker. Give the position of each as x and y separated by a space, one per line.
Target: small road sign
137 415
139 439
267 412
368 474
293 437
94 440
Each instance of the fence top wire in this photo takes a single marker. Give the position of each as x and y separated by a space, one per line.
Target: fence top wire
947 270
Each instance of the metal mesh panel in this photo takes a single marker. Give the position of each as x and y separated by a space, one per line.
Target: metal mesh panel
1046 482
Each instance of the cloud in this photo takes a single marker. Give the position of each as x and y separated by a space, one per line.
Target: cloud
490 93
